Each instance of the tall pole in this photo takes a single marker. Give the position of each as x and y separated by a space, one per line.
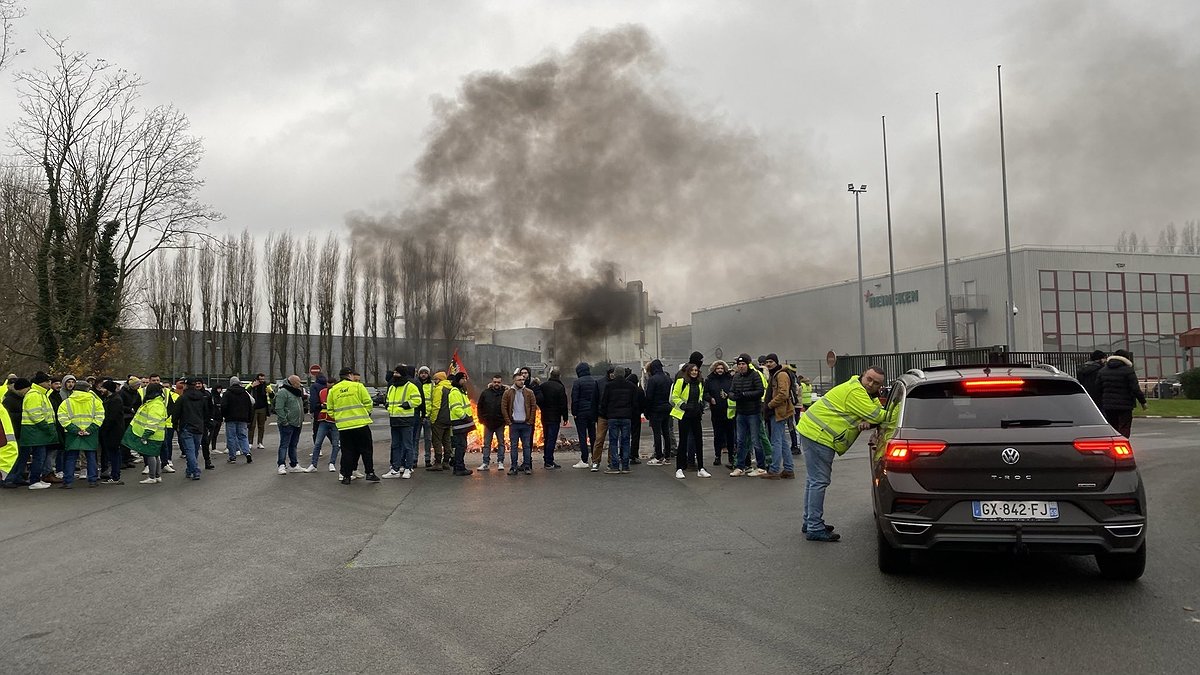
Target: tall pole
862 300
937 106
1009 327
887 193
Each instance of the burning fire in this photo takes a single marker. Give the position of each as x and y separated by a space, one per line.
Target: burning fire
475 438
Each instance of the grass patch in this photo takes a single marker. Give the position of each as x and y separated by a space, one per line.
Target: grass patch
1171 407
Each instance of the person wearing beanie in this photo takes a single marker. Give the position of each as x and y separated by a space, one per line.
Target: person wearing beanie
237 408
403 399
439 418
14 397
425 431
80 416
146 432
111 431
696 358
38 430
461 422
781 412
1088 374
746 392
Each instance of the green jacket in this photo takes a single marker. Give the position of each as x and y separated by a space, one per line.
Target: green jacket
833 420
289 408
81 412
37 418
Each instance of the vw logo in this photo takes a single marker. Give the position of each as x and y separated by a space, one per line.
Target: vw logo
1010 456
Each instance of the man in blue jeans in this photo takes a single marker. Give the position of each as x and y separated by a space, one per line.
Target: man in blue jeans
746 392
237 408
782 410
193 409
289 411
827 429
519 407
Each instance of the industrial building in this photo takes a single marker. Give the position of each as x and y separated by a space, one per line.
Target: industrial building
1066 300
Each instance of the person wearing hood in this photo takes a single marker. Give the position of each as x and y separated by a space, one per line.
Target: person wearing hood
552 400
585 395
439 416
458 403
722 410
619 405
687 401
491 414
403 400
289 413
110 433
145 434
193 408
14 398
1088 374
237 408
424 426
80 416
61 389
635 434
1119 390
658 409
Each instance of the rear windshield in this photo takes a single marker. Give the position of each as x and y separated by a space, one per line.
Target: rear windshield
948 405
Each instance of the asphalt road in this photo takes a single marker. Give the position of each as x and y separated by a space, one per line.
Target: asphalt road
570 571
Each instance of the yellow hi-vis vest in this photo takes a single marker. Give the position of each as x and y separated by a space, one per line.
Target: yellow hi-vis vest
833 421
37 418
397 397
762 376
8 442
806 392
460 411
680 394
152 418
81 410
349 404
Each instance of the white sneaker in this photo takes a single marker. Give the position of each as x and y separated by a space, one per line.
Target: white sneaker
260 446
359 474
407 473
500 466
295 469
483 467
679 473
332 468
595 468
755 473
737 472
58 475
703 474
40 485
654 462
282 470
309 469
158 480
147 481
168 468
580 465
146 471
392 473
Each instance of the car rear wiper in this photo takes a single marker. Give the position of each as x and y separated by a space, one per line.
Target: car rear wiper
1032 422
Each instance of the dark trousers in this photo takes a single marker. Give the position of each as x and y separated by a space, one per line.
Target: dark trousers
658 427
110 452
458 441
585 426
724 436
635 437
549 440
1121 420
356 443
691 447
20 467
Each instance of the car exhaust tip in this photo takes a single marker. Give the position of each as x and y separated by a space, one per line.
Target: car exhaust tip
1125 530
910 528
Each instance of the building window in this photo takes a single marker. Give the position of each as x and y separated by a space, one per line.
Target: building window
1047 280
1066 301
1050 322
1147 282
1116 301
1181 323
1149 302
1083 321
1179 302
1100 323
1179 283
1149 324
1116 323
1083 301
1066 322
1083 281
1049 301
1116 281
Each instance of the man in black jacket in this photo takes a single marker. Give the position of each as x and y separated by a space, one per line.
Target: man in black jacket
492 417
194 410
618 405
111 431
585 397
747 393
635 437
1088 375
262 408
1118 385
658 409
552 400
237 408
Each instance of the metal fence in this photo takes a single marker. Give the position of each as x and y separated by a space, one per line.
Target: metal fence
896 364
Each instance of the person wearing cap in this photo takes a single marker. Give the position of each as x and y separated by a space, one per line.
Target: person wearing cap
782 409
80 416
439 416
425 433
585 399
13 457
237 408
350 405
746 392
38 430
111 432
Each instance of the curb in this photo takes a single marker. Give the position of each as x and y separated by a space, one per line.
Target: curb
1169 417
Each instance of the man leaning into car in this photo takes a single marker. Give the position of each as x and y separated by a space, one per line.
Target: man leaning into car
830 427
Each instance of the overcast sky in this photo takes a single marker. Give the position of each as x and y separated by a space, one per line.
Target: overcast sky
311 110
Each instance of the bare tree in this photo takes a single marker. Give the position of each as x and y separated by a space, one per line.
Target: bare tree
183 287
389 281
327 270
159 293
23 213
238 289
454 303
370 295
9 12
279 274
1189 239
302 301
206 271
418 291
350 274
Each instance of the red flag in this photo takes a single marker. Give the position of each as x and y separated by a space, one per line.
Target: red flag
456 365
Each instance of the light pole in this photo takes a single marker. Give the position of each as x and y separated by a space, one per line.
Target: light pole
862 318
945 247
1011 310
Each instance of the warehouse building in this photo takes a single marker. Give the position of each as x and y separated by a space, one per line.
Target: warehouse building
1066 300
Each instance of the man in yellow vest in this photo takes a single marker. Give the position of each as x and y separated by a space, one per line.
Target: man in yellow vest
37 429
424 429
80 416
829 428
350 405
403 399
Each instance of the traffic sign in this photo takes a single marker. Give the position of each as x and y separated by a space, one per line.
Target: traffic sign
830 358
314 369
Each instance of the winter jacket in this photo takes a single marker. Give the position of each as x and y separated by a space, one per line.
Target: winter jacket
658 390
641 395
215 417
81 412
12 403
114 421
490 412
780 395
747 392
193 410
1118 385
237 405
434 404
289 406
259 392
37 418
687 396
509 400
131 400
314 395
553 401
620 400
585 392
714 385
1088 375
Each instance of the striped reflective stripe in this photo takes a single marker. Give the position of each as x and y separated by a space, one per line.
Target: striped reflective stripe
848 418
148 422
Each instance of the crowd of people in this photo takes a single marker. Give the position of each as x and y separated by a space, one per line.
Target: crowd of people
58 430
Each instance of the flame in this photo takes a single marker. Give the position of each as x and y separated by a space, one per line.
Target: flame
475 438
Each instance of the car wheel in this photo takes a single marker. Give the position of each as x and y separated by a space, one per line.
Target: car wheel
1122 566
891 560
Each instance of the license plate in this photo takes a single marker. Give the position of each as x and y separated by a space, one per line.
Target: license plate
1015 510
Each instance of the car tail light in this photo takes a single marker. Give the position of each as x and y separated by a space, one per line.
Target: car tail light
994 384
1125 507
900 451
1117 447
